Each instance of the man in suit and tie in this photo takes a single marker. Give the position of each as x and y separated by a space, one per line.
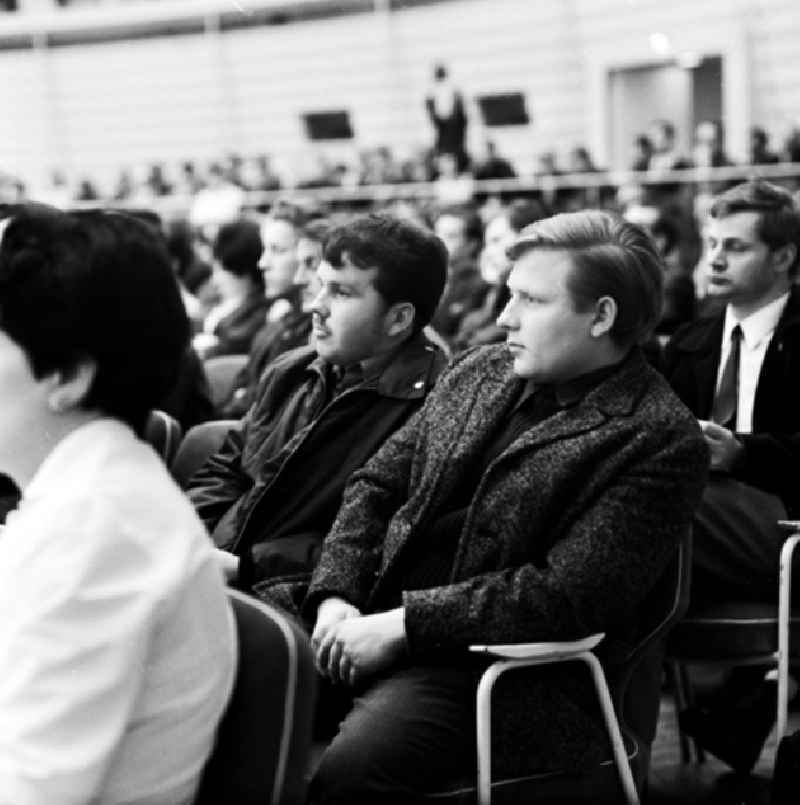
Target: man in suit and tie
738 370
540 494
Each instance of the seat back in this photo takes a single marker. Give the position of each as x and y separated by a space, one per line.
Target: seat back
197 445
221 372
635 681
163 433
263 743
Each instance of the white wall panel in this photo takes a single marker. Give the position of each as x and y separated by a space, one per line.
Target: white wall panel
96 107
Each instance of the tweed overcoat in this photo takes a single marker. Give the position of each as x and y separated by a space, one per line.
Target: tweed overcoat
569 529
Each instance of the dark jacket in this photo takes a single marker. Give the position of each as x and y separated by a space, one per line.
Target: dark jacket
771 457
272 340
278 488
235 332
569 530
189 400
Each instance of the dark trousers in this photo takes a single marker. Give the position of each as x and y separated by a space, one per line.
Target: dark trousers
737 542
409 732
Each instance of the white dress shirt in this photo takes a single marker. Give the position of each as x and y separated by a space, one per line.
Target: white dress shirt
757 331
117 643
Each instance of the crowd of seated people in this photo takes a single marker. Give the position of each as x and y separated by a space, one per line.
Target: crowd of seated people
407 384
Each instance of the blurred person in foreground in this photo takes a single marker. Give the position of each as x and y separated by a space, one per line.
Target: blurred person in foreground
117 643
540 494
271 492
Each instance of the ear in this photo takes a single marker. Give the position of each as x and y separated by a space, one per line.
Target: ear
605 314
69 387
399 318
784 257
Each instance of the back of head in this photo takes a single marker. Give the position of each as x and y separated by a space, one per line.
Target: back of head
523 212
411 262
94 286
778 213
610 257
238 248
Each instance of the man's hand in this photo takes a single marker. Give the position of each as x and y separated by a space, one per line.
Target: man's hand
229 563
724 446
355 648
329 613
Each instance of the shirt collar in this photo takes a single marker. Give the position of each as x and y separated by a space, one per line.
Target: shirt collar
573 391
757 326
407 374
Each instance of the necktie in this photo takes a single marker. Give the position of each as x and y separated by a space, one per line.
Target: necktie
723 411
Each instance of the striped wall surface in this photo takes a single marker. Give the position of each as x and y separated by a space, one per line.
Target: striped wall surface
94 108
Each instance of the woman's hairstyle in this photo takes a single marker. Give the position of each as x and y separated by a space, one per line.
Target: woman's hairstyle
610 257
95 286
238 248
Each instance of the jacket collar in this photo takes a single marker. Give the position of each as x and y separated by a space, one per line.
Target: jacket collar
707 334
410 373
616 395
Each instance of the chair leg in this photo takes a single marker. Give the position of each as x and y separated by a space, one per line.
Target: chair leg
617 744
686 683
784 614
676 678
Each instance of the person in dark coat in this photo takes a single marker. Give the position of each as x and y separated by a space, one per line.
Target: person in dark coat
230 326
289 330
269 495
540 494
752 258
445 107
738 371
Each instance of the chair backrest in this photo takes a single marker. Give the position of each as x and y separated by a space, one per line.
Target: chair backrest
221 371
197 445
263 743
163 433
636 680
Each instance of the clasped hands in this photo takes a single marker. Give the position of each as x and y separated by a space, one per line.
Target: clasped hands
723 444
350 647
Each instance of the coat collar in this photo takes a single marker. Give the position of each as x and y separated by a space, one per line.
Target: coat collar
409 375
706 335
616 395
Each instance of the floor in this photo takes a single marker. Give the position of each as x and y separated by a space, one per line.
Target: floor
673 782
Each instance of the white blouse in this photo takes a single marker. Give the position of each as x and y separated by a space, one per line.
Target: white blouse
117 643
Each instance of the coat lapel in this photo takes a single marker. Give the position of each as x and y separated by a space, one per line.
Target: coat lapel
618 395
462 433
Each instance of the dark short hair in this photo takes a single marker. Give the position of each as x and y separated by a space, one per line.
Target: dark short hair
610 257
94 285
238 248
666 227
778 215
411 262
523 212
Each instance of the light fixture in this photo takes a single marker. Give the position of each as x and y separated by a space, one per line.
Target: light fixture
660 44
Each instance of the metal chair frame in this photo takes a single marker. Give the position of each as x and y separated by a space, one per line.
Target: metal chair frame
780 657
